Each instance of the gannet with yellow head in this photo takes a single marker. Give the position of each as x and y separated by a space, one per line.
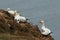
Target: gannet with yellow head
45 31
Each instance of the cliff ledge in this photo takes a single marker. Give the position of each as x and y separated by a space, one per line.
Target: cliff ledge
10 30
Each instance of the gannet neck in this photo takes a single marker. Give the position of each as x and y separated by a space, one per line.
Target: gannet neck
42 23
15 13
43 26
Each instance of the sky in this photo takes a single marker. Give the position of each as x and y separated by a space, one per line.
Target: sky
35 10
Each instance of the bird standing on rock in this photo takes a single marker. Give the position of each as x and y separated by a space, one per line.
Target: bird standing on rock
10 11
45 31
19 18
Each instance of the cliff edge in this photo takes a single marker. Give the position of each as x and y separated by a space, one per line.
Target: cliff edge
10 30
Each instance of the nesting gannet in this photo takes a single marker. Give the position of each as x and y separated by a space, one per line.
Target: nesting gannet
45 31
19 18
10 11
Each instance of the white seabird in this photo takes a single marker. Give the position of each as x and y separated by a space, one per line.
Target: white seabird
10 11
45 31
19 18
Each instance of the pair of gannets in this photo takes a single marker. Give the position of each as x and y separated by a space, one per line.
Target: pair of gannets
45 31
17 16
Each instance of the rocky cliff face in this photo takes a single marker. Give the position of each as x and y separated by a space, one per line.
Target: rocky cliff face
10 30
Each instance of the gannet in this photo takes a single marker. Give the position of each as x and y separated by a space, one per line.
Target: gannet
45 31
19 18
10 11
